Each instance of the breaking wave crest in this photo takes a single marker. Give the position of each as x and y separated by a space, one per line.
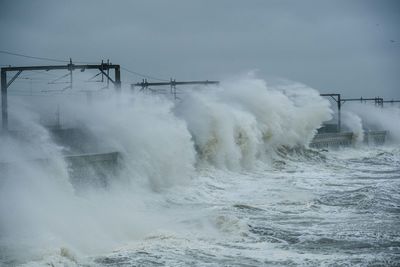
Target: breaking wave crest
245 120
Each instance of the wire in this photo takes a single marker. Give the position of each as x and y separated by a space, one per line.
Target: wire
42 58
39 58
144 75
44 72
67 61
20 79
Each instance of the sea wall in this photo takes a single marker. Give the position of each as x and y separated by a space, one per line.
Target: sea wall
93 169
329 140
325 140
375 137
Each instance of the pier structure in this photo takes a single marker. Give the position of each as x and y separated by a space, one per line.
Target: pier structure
103 68
172 84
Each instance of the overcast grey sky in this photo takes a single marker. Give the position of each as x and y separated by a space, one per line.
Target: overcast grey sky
346 46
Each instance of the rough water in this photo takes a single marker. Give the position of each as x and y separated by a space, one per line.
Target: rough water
332 209
216 179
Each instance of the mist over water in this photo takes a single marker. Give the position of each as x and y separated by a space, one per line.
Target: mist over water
204 174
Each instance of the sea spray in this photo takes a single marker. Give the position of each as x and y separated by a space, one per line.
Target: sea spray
377 118
245 120
223 135
232 126
41 210
155 145
353 123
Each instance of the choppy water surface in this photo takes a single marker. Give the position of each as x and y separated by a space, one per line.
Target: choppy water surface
336 208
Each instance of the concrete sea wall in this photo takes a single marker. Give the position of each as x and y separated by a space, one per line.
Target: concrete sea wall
332 140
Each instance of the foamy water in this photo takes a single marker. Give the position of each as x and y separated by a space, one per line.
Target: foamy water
216 179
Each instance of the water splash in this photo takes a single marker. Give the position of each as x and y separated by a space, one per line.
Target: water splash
232 126
245 120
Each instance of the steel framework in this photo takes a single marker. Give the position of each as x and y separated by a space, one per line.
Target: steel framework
103 68
378 100
340 101
172 83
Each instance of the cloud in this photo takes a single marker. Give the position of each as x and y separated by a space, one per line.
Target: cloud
340 46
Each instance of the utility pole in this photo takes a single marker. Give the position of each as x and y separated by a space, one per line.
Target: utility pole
4 110
70 73
108 73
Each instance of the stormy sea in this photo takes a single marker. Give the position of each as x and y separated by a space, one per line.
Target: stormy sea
220 176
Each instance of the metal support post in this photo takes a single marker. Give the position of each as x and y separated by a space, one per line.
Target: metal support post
338 101
70 67
339 106
108 74
4 113
117 78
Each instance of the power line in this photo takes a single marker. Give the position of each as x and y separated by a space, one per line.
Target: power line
45 73
32 57
31 79
143 75
41 58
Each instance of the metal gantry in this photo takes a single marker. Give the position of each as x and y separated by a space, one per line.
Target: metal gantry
103 68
